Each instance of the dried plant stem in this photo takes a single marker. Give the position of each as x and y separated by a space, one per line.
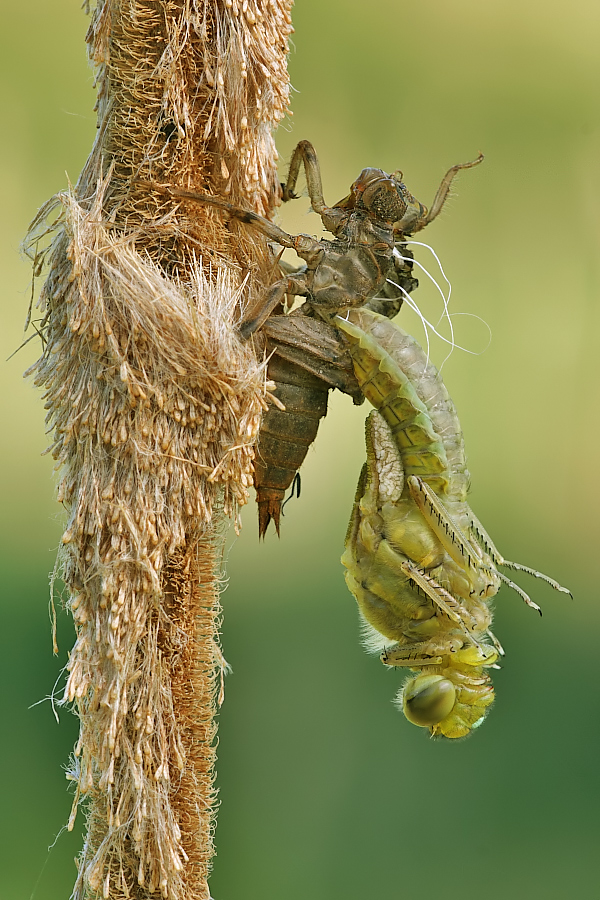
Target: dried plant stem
154 405
192 602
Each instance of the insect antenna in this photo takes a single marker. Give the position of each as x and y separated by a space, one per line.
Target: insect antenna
519 591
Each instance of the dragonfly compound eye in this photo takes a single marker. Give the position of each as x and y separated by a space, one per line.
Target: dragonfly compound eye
427 699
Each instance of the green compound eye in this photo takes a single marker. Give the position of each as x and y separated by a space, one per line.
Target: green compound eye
427 699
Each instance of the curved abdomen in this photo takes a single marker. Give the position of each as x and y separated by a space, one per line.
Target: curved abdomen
396 377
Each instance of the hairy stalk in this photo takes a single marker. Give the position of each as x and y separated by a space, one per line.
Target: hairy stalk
154 406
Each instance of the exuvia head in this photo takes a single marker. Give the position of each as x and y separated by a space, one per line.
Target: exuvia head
385 197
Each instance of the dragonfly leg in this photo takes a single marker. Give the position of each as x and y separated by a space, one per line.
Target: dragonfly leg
519 590
455 543
521 568
413 656
262 309
483 538
442 598
496 642
305 153
443 190
269 229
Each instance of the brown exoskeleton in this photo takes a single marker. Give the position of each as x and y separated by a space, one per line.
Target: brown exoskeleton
307 358
357 268
347 272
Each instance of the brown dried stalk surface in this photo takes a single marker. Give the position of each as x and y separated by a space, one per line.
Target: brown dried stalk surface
154 406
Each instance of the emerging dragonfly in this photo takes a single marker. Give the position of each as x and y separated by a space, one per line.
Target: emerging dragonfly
358 267
420 564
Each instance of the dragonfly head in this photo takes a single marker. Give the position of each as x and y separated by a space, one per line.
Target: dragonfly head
451 701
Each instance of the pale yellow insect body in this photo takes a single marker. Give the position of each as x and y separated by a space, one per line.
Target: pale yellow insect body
421 566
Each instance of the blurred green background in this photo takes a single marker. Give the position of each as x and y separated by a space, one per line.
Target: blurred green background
326 790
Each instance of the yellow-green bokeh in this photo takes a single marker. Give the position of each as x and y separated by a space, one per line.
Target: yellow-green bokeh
326 790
